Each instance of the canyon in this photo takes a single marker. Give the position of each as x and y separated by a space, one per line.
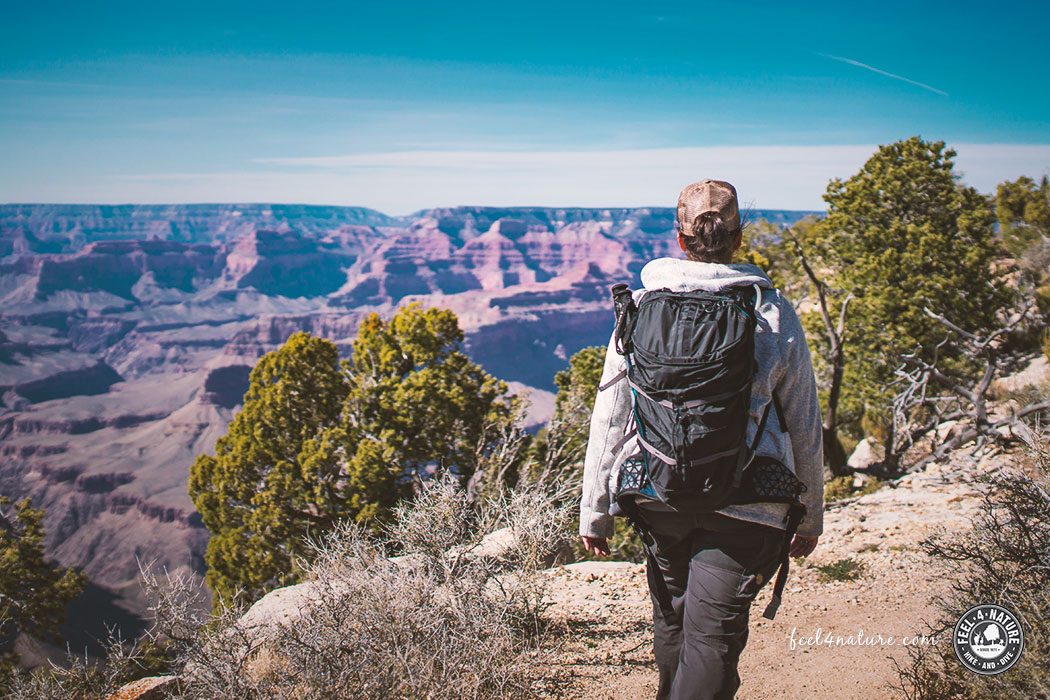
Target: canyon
127 334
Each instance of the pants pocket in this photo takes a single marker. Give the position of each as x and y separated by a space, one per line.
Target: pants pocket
753 578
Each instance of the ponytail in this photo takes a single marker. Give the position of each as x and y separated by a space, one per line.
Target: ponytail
710 241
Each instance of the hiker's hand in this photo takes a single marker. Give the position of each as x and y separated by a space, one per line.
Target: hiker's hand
596 545
803 546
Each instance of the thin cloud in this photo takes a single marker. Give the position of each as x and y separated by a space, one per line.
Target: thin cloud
873 69
773 177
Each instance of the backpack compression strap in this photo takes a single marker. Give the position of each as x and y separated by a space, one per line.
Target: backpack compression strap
619 375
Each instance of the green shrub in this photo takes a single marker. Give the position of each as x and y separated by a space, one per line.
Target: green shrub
841 488
842 570
838 488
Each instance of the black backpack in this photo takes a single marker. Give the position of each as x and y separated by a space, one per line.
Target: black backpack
690 363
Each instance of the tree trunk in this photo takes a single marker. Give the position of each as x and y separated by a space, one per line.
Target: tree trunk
834 455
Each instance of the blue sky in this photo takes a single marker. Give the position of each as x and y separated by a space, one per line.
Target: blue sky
407 105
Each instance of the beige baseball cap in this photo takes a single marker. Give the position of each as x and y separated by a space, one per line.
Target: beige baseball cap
707 196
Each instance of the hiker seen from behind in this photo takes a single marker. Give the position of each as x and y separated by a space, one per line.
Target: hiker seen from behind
706 436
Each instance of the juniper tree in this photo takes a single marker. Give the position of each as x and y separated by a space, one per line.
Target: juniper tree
1023 209
901 235
252 493
321 440
33 591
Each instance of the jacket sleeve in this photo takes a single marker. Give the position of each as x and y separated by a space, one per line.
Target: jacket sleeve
797 391
612 407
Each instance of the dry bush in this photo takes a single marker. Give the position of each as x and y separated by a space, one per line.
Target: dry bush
83 677
457 612
452 616
1004 559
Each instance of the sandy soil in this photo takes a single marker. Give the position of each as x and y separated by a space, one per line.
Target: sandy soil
604 643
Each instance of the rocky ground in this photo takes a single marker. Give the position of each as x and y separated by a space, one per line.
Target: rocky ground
604 643
600 646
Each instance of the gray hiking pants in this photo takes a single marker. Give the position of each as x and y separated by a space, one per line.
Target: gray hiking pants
713 566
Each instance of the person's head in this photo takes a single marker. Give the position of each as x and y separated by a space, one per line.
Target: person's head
708 221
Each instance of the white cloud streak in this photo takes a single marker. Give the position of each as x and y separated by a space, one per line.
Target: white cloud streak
398 182
873 69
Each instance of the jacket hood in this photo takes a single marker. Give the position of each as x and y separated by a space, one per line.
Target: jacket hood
680 275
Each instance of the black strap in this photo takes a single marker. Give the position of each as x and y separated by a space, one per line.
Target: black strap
794 516
761 427
657 585
780 413
626 315
773 403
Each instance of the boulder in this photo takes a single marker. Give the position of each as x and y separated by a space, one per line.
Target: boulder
860 481
863 455
282 606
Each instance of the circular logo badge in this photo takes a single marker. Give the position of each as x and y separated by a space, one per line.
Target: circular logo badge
988 639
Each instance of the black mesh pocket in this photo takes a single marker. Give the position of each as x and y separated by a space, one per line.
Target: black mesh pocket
767 480
633 482
633 476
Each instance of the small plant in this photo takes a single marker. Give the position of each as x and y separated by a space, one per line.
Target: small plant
839 488
842 487
842 570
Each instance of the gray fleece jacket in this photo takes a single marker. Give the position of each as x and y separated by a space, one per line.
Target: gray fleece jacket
783 363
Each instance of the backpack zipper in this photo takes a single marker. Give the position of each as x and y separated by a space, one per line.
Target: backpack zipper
680 442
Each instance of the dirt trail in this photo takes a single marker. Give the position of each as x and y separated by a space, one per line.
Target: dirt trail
605 651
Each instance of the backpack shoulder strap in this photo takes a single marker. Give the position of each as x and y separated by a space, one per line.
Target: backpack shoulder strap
779 411
772 405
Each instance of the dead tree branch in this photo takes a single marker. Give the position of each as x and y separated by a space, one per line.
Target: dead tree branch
930 397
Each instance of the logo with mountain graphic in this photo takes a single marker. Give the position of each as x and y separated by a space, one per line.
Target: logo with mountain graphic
988 639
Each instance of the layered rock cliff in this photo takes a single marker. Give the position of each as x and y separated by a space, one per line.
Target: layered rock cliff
127 335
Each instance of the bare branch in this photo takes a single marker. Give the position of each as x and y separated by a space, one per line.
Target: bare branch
918 411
